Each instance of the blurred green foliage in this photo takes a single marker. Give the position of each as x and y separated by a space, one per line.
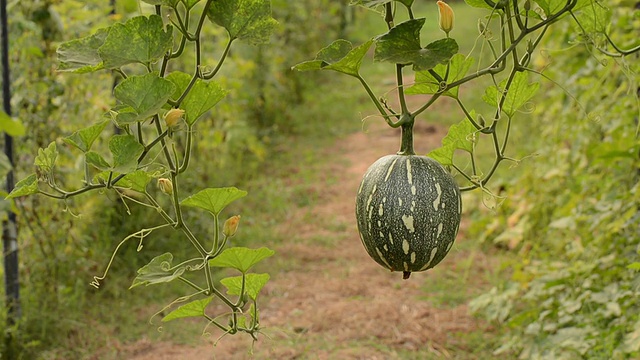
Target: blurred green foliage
572 211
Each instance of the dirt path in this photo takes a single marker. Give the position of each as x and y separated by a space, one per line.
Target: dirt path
327 299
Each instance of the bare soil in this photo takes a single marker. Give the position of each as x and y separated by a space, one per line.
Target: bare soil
326 298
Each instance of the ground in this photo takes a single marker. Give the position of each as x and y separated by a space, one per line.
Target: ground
328 300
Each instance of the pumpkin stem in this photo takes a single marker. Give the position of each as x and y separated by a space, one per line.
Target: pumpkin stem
406 147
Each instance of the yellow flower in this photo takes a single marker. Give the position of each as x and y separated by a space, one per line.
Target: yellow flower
172 117
165 185
231 226
445 19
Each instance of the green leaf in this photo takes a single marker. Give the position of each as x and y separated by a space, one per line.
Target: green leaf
214 200
81 55
376 3
140 40
5 165
520 92
460 136
479 4
338 56
241 258
126 150
46 159
253 284
248 20
157 271
425 83
84 138
96 160
26 186
136 181
401 45
203 96
194 308
594 18
145 94
550 7
11 126
634 266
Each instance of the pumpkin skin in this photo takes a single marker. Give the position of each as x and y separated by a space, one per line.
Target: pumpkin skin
408 210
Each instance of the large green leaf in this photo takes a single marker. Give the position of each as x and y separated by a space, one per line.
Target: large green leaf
338 56
479 3
241 258
376 3
136 181
140 40
157 271
46 159
594 17
81 55
26 186
96 160
202 97
214 200
125 150
84 138
248 20
194 308
11 126
460 136
520 92
401 45
145 95
551 6
252 286
426 83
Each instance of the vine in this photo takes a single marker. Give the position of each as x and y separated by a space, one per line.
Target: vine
156 117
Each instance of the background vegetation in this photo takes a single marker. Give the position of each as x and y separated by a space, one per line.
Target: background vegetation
568 225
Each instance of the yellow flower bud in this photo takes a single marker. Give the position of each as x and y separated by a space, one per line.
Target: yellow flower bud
166 186
172 117
231 226
445 19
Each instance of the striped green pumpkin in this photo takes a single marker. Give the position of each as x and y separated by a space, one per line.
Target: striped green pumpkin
408 211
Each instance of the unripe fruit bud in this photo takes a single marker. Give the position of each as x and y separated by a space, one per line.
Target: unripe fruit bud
172 117
446 17
527 5
231 226
166 186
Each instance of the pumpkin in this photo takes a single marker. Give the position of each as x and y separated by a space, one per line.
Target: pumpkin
408 210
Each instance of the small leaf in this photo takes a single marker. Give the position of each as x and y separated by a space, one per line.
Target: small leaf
241 258
634 266
26 186
136 181
425 83
550 7
520 92
157 271
203 96
126 150
252 286
338 56
460 136
96 160
145 94
84 138
214 200
194 308
46 159
479 3
248 20
81 55
401 45
140 40
11 126
594 18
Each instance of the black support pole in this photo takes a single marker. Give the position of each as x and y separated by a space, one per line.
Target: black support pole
9 227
